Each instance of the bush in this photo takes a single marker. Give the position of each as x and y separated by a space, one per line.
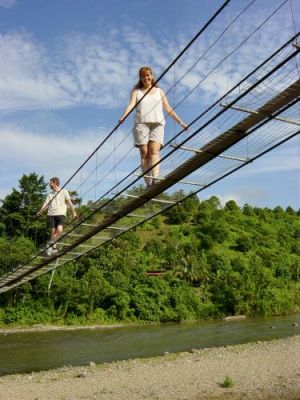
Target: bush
99 316
228 382
28 314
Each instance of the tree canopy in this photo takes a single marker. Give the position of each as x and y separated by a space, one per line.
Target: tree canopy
214 260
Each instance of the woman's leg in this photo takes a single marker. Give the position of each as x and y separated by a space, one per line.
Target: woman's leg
144 153
153 157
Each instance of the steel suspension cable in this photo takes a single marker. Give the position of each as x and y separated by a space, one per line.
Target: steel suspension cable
208 74
202 127
202 114
214 16
211 119
198 191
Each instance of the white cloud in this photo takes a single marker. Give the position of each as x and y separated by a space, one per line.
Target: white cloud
285 159
8 3
23 152
272 177
80 70
25 83
245 194
99 69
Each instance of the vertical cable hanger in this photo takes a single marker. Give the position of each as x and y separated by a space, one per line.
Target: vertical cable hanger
35 234
295 31
10 251
174 98
293 19
96 174
227 51
114 157
174 103
81 192
228 73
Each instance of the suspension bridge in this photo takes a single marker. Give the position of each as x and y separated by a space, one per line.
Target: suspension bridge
257 114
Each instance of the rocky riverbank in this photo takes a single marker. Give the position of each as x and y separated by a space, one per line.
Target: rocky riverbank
258 371
52 328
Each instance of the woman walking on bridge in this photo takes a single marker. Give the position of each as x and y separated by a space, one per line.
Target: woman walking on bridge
149 121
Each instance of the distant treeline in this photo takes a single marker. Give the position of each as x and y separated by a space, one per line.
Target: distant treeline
215 261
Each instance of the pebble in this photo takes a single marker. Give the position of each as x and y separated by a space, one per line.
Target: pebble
81 375
193 351
234 318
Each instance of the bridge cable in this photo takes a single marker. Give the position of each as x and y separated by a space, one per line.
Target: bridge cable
191 91
158 79
215 103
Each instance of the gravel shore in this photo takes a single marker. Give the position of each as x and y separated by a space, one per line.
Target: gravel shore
260 371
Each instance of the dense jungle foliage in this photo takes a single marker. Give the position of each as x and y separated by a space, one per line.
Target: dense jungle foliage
216 260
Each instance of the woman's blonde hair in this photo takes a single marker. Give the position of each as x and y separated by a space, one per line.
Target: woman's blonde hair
139 84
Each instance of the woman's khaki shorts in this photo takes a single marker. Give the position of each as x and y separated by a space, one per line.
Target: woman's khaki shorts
142 133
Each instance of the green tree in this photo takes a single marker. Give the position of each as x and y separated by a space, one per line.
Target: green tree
231 206
248 210
14 253
185 212
243 243
95 288
19 208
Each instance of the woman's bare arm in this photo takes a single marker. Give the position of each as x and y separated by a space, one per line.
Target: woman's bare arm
170 110
130 105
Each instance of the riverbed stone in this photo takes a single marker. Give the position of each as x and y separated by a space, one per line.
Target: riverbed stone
82 374
193 351
234 318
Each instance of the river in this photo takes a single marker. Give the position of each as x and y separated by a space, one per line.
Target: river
34 351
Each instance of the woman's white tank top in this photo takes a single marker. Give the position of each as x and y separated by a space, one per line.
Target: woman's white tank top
150 109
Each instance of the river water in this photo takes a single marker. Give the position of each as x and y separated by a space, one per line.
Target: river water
34 351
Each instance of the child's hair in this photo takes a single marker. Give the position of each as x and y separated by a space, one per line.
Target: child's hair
55 180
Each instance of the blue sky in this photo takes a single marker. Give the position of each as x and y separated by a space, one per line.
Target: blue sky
67 67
